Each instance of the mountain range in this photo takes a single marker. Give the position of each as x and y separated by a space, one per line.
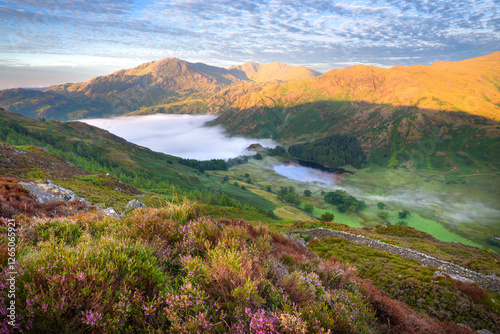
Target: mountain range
390 111
169 85
230 246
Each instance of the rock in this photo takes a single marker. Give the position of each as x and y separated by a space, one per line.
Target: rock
110 212
255 147
134 204
484 331
49 192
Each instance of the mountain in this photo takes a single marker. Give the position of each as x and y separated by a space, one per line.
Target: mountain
401 106
169 85
273 71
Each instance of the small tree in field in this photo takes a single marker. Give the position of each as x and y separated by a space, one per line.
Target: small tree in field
327 217
383 214
403 214
381 205
308 208
307 193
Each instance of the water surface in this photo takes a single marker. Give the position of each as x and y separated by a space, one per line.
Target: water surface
306 174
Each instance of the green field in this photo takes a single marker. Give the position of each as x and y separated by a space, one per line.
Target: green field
466 213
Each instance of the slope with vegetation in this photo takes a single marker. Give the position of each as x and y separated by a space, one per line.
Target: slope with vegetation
192 268
169 85
398 115
189 273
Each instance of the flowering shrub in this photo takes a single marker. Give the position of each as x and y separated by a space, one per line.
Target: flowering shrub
169 270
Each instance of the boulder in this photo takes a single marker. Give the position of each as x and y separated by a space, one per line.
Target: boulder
110 212
134 204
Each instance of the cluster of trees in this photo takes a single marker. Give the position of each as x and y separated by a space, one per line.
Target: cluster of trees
289 195
334 151
344 201
278 151
384 215
213 164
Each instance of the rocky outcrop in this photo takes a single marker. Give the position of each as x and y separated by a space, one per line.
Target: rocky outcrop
49 192
489 282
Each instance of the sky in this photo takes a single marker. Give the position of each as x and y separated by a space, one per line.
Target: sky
59 41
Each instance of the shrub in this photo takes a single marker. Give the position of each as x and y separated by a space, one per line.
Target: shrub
308 208
383 214
327 217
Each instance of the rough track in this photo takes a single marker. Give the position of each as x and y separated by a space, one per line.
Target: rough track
489 282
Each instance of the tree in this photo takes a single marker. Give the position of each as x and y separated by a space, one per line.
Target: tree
381 205
308 208
342 208
269 189
270 214
383 214
307 193
226 178
258 156
403 214
327 217
236 183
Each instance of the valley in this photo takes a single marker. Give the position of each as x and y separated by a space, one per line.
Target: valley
225 161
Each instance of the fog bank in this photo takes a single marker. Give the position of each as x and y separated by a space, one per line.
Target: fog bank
179 135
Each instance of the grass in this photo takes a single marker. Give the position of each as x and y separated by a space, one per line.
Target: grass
408 281
374 184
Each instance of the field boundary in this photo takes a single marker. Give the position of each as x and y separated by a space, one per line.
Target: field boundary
489 282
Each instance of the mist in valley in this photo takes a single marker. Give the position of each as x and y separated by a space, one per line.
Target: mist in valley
179 135
454 207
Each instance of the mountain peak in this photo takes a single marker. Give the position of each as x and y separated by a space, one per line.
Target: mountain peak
273 71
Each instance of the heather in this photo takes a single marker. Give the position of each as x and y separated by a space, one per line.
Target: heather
172 270
440 297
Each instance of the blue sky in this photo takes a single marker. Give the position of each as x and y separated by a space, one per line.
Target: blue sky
51 41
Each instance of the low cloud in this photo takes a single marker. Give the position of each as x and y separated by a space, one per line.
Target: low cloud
179 135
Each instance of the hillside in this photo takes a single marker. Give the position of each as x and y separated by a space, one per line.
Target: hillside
197 265
469 86
194 269
392 112
115 161
169 85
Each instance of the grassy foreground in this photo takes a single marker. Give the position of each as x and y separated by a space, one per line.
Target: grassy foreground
173 270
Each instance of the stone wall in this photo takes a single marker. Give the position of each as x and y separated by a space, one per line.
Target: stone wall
489 282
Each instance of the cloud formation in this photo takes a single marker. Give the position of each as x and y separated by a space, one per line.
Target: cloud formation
323 34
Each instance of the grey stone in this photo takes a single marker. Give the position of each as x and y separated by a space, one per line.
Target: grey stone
134 204
49 192
110 212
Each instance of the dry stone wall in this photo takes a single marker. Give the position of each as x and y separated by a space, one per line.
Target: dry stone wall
489 282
